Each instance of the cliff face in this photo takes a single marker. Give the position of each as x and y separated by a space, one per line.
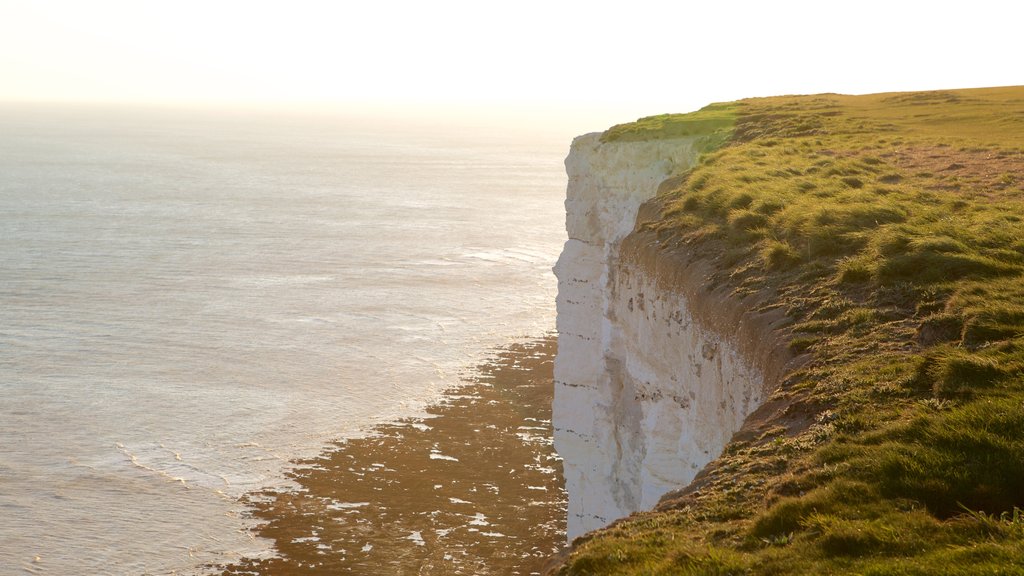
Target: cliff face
848 270
648 387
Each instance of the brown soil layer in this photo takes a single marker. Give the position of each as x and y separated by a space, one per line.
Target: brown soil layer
474 488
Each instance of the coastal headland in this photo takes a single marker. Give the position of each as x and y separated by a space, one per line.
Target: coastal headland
791 338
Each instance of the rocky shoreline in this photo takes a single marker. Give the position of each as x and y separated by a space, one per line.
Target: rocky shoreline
473 488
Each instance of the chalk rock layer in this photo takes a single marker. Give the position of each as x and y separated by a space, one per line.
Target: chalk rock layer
646 393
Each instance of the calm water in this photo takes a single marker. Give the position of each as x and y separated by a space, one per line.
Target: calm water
190 301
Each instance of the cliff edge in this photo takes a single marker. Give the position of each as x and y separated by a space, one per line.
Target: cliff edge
791 338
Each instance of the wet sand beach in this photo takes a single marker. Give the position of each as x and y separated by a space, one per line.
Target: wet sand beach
473 488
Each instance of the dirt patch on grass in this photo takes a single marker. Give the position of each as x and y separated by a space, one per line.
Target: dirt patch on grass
987 173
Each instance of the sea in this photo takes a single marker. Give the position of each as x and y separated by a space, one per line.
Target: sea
191 300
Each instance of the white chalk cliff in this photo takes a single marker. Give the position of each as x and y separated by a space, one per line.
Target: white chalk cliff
650 383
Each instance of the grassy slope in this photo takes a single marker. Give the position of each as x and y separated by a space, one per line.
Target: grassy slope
890 228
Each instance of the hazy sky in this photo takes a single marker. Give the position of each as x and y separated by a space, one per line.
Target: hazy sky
632 57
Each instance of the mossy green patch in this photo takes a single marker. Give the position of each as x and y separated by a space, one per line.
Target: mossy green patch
890 228
714 123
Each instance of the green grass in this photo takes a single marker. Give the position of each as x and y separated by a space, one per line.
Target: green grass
890 228
714 123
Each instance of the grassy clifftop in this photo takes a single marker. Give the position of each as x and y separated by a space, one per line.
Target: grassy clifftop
890 229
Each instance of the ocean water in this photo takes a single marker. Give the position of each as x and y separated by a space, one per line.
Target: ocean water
189 301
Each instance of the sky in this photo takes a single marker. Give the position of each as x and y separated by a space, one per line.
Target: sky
620 59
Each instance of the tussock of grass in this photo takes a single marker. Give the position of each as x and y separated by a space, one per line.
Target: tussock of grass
891 229
778 255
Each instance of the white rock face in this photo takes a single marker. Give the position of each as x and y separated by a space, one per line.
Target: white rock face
644 396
